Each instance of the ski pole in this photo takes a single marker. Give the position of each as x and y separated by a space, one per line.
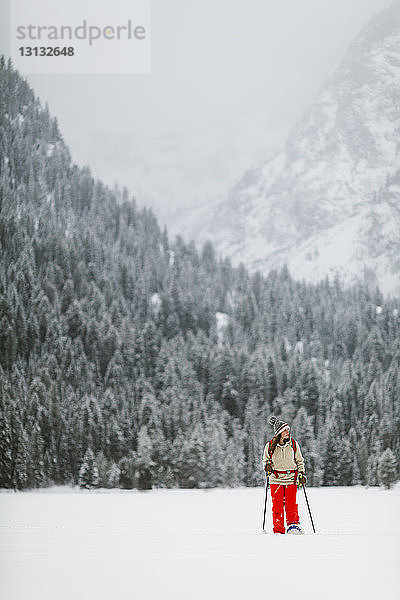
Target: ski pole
308 506
265 503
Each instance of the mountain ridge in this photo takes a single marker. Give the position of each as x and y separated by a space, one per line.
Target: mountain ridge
339 158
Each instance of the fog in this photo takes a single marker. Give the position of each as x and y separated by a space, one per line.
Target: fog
228 81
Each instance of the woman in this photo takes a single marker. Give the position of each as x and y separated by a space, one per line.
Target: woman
284 465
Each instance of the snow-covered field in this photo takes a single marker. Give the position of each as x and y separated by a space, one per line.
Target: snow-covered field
64 543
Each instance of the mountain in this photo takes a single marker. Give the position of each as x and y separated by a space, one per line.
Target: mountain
131 360
329 201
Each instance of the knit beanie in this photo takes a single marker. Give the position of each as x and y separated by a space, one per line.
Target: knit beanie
278 425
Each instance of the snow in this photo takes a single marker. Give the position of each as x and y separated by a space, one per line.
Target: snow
222 320
322 204
68 543
288 346
50 149
299 347
155 303
345 250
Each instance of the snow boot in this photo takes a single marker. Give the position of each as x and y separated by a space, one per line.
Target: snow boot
295 529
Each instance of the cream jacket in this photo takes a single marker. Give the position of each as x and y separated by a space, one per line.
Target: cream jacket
283 459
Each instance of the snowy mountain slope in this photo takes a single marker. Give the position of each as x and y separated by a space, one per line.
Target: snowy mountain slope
329 201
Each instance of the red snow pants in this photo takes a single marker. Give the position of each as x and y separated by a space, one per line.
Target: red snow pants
284 497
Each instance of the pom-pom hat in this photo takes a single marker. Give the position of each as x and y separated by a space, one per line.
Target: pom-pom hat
278 425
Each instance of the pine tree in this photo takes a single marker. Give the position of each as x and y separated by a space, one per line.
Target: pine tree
144 461
310 389
386 432
254 442
372 466
127 467
231 468
37 475
215 449
193 460
5 448
88 473
346 464
103 465
356 477
271 383
332 457
387 469
22 462
363 460
113 475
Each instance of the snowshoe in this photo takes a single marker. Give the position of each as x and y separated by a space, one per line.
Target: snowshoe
295 529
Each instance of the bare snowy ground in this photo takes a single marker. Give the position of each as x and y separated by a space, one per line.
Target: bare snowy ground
63 543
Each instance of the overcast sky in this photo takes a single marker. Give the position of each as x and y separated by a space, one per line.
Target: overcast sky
220 68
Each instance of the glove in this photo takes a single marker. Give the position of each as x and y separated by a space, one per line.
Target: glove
301 479
268 468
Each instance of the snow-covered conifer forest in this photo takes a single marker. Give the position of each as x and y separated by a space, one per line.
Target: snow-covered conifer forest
132 360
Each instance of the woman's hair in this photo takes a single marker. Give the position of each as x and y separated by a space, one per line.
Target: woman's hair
273 443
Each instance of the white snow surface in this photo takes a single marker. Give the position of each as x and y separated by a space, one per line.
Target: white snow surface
63 543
